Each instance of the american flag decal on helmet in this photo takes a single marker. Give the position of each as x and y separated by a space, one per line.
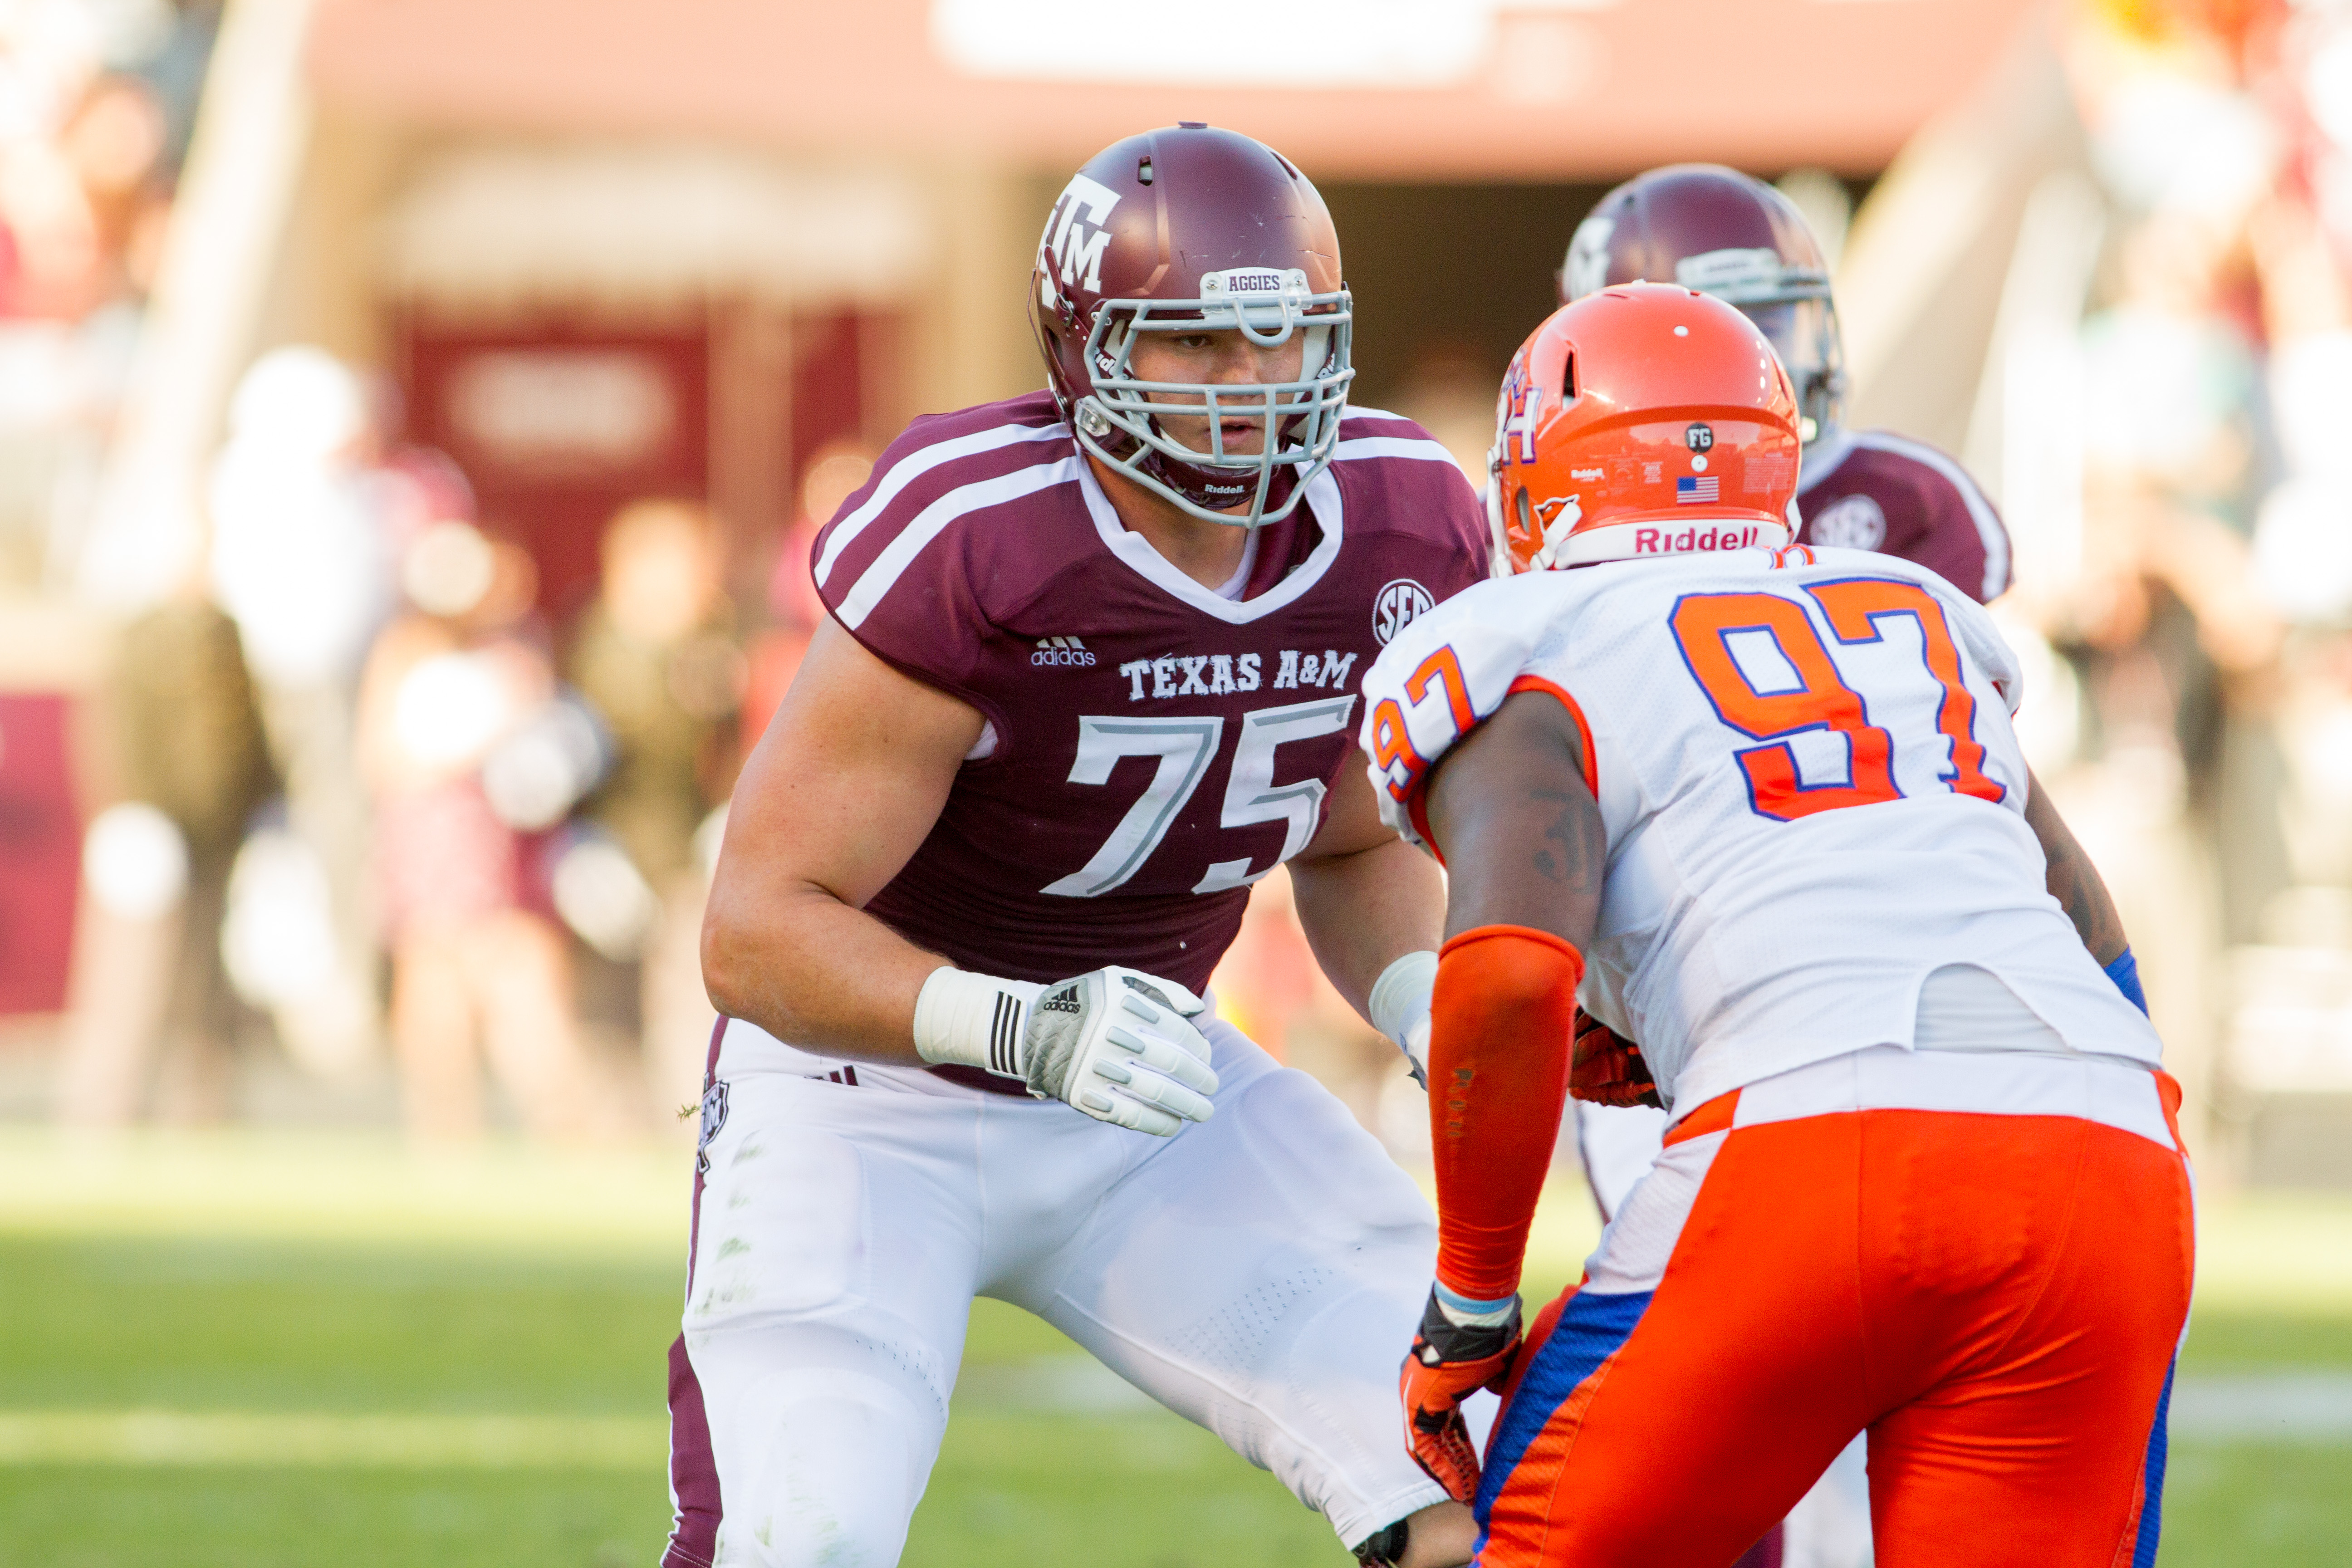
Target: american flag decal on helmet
1697 488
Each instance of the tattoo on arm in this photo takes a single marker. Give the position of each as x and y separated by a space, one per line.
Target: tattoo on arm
1520 830
1562 857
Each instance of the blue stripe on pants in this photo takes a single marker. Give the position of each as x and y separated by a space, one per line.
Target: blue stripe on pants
2151 1508
1589 1330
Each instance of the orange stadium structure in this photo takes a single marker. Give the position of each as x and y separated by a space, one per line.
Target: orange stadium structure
1494 90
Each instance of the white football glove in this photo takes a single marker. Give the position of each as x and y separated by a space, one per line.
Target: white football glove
1400 1008
1114 1043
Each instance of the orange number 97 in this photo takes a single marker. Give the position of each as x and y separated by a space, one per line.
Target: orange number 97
1393 744
1703 624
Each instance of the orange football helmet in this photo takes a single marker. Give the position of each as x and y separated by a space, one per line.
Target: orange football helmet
1645 419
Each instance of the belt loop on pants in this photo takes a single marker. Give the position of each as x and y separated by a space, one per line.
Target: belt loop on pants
1714 1116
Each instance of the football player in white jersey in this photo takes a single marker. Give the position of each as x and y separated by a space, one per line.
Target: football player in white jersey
1730 234
1762 802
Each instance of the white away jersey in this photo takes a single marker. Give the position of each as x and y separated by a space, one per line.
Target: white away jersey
1812 795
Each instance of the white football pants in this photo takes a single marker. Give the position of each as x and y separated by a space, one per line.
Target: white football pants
1261 1274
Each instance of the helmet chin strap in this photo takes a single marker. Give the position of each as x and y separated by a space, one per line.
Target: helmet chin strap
1273 491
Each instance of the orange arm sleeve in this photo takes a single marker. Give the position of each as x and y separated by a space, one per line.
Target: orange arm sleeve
1500 1020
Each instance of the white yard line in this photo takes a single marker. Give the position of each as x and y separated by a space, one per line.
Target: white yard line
2278 1407
354 1442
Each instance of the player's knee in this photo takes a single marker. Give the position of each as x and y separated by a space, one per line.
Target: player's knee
828 1465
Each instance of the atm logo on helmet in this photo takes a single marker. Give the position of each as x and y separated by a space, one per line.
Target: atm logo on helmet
1073 244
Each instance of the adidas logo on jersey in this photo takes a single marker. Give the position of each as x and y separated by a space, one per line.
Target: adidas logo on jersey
1061 650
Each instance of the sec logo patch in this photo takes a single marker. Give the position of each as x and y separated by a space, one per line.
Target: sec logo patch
1398 603
1850 523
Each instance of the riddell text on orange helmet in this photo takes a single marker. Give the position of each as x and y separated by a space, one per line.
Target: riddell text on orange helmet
1643 420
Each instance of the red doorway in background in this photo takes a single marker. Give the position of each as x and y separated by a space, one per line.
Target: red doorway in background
558 426
560 420
40 852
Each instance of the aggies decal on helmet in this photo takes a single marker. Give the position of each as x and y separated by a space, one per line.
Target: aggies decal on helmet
1185 230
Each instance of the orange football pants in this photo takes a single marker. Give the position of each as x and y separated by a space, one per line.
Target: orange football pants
1996 1299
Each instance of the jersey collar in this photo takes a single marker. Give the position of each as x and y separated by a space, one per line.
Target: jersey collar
1321 501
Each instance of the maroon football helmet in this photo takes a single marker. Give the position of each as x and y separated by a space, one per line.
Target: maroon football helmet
1726 234
1184 230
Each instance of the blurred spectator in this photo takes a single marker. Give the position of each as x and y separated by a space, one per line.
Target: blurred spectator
445 687
90 136
837 473
2177 616
652 656
301 562
152 1000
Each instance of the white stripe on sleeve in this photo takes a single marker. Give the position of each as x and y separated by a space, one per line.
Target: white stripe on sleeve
914 467
1390 447
932 520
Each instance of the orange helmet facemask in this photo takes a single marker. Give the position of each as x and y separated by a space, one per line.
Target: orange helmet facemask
1643 420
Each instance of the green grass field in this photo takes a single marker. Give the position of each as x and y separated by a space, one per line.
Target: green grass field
257 1352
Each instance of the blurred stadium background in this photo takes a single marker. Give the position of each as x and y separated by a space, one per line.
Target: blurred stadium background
413 415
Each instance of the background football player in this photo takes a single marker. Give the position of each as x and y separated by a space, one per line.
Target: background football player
1923 1178
1732 235
1091 670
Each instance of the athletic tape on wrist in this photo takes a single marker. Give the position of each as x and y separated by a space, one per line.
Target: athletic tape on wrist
1401 995
974 1020
1464 1312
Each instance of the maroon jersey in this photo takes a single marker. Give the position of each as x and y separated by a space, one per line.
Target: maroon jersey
1151 747
1871 490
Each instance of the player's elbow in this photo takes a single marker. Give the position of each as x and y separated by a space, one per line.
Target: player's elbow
1521 977
730 968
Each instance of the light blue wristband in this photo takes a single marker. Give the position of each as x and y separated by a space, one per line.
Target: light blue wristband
1466 1313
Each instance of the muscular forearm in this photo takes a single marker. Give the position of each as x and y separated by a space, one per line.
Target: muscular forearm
1497 1079
1361 911
2073 880
810 970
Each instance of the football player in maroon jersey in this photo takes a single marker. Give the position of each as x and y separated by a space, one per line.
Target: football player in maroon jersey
1091 670
1730 234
